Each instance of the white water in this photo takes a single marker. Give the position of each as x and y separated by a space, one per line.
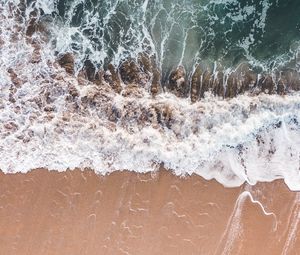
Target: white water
234 141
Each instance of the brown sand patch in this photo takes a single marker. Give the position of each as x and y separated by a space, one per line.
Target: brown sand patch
77 212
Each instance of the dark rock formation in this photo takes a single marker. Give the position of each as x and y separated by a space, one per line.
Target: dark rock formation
143 74
155 84
14 78
177 82
112 78
218 86
280 89
67 62
163 115
73 91
292 79
248 81
49 108
267 85
130 72
32 24
89 70
151 72
231 86
196 84
146 63
99 75
206 81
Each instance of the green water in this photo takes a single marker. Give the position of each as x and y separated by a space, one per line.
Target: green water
264 33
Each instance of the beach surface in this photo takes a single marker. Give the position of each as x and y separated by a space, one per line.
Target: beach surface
79 212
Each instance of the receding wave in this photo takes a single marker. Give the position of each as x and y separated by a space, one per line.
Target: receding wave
113 85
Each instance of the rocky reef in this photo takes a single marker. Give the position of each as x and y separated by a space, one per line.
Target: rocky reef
143 73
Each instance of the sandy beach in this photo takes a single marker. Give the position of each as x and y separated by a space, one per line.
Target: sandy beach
79 212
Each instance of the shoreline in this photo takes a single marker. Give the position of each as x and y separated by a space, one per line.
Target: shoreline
80 212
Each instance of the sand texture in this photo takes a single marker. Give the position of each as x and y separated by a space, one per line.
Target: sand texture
78 212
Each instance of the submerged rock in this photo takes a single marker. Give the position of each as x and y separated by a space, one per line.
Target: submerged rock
248 81
32 24
89 70
146 63
292 80
206 81
67 62
196 84
134 77
99 77
14 78
267 85
155 84
130 72
112 78
73 91
231 86
218 86
177 82
280 89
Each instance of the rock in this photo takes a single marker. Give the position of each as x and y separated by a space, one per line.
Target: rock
32 24
150 73
248 81
112 78
67 62
132 90
12 126
267 85
1 42
73 91
89 70
264 84
81 78
231 86
196 84
206 81
292 80
155 83
49 108
177 82
11 98
218 87
114 114
36 55
99 77
280 88
14 78
129 72
145 63
163 115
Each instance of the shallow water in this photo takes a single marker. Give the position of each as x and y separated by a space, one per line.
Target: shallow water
262 32
58 111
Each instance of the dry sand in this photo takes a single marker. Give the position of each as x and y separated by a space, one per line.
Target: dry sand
78 212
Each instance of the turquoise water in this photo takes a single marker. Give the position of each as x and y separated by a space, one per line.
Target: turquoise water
264 33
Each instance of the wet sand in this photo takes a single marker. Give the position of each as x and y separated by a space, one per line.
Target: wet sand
79 212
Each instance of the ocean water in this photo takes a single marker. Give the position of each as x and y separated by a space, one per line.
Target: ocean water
207 87
264 33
